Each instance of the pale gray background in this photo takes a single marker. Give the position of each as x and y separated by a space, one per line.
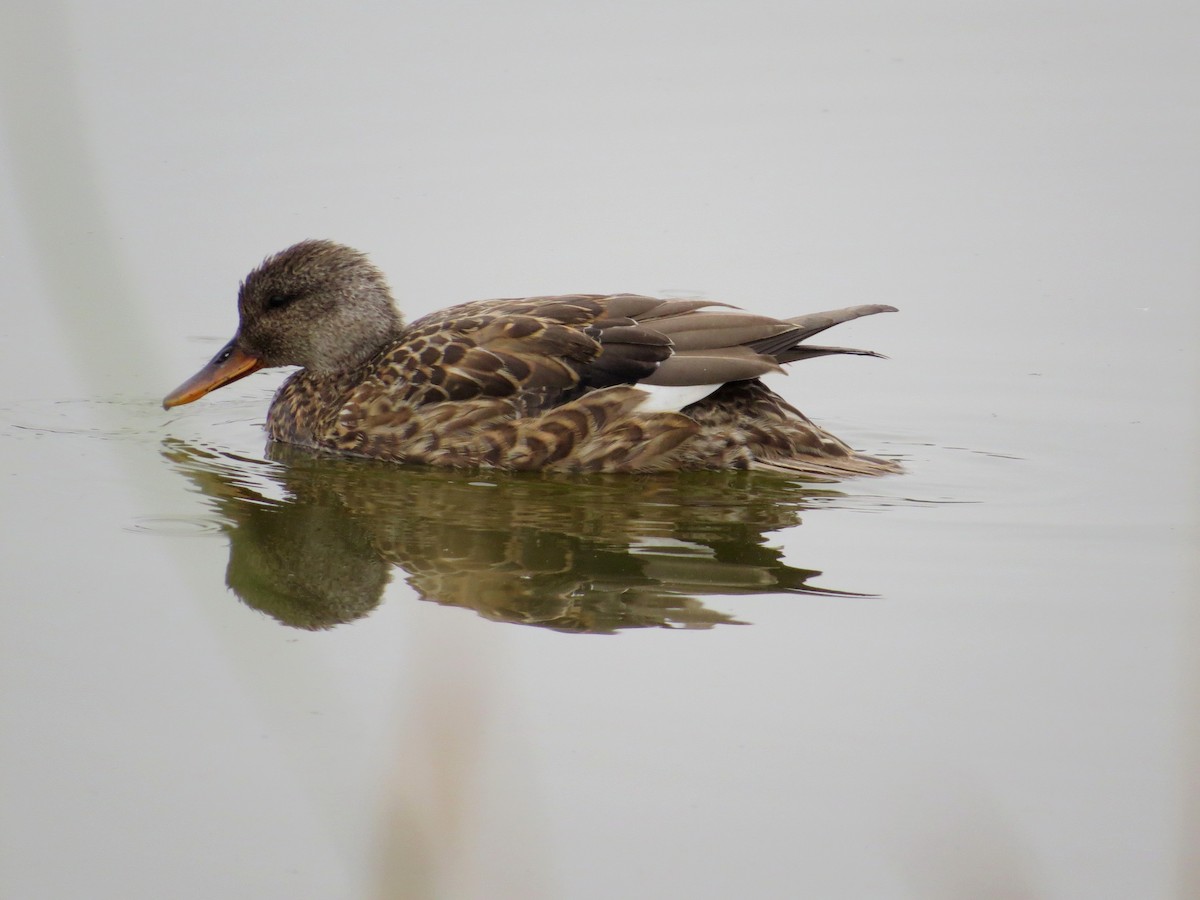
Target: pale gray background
1015 718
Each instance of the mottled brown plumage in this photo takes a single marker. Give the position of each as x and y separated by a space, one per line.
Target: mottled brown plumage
581 382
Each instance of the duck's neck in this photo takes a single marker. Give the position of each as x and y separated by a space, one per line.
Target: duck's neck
359 352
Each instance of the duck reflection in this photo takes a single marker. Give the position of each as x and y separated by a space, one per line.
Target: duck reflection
571 553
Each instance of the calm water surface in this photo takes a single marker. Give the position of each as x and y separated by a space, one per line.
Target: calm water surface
239 670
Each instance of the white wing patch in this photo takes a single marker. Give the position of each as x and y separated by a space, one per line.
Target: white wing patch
672 398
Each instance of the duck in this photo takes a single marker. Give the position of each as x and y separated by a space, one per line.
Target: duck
608 383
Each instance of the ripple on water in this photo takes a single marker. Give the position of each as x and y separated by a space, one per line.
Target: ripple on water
175 526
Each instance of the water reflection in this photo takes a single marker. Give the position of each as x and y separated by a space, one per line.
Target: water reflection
313 539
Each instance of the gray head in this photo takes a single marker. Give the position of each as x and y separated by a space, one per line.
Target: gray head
317 304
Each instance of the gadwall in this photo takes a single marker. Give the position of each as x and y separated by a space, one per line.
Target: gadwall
581 382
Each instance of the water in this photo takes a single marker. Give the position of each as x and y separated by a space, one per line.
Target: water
234 670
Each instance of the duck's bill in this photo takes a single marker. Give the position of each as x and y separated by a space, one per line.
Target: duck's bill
227 366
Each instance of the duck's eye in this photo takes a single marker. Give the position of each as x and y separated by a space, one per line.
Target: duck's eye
275 301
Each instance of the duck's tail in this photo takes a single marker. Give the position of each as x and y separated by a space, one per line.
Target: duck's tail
789 346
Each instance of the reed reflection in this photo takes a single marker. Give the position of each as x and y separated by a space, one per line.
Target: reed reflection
571 553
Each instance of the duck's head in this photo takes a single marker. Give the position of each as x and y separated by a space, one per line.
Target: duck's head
317 304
